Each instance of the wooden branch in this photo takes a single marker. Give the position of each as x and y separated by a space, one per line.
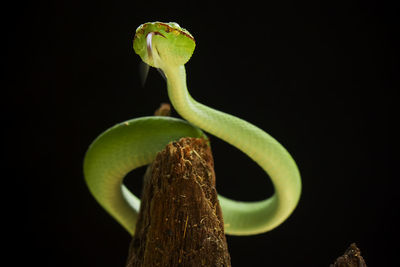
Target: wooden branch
180 221
351 258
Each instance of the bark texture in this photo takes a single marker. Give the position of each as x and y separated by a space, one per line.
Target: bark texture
180 221
351 258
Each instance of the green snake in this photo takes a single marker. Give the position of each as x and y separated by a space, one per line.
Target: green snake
135 143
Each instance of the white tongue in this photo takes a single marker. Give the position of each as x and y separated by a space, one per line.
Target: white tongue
162 73
144 71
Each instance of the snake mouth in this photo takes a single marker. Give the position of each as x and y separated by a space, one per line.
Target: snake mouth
149 43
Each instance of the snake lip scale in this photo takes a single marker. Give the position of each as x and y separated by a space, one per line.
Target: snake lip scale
135 143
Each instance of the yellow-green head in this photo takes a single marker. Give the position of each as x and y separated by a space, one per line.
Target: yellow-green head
167 42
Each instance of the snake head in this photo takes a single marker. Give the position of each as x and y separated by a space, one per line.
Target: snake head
159 43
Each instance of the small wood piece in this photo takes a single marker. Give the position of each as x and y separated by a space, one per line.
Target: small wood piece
163 110
351 258
180 221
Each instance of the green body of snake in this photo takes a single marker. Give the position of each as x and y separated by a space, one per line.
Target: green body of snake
135 143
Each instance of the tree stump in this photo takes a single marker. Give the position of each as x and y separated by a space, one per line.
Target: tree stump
351 258
180 221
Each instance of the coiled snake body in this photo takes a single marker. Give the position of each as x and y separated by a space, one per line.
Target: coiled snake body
135 143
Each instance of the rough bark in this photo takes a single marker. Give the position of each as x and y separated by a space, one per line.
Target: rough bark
180 221
351 258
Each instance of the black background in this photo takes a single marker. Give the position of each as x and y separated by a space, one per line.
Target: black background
317 76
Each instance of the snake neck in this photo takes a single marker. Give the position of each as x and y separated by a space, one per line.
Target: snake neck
215 122
177 89
208 119
179 96
202 116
